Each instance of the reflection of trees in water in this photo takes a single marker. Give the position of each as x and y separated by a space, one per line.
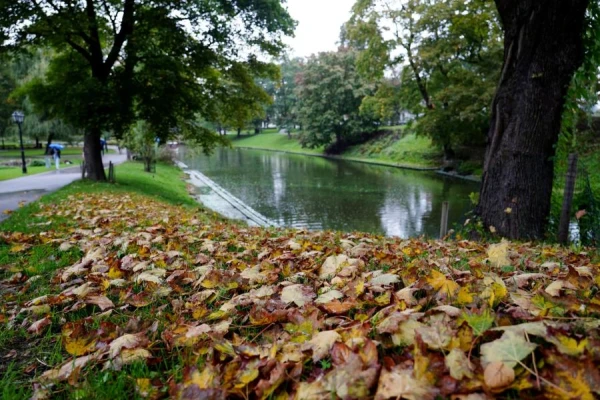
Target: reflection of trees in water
403 216
323 193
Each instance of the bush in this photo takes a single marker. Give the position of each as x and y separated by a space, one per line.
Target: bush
165 154
37 163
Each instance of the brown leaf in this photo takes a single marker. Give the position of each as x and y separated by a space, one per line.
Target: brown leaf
497 375
101 301
38 326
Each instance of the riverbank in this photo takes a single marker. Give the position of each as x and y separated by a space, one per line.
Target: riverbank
390 149
133 290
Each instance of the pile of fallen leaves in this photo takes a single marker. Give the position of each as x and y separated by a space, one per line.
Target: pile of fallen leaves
286 314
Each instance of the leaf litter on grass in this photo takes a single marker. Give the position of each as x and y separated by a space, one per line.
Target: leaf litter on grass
215 310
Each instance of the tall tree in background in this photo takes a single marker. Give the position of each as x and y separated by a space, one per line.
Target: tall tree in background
285 98
450 54
543 47
7 85
108 47
330 93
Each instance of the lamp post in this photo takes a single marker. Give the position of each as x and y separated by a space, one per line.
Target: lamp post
18 117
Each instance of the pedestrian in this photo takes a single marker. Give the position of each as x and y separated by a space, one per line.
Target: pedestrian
56 155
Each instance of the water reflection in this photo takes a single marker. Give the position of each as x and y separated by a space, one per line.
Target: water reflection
319 193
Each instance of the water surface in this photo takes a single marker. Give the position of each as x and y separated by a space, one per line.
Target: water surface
319 193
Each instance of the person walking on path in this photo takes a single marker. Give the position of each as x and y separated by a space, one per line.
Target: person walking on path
56 155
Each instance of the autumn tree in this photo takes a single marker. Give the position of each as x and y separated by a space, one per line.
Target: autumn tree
543 47
449 53
330 93
122 60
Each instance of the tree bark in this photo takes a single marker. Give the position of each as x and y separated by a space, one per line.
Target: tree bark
543 46
92 150
49 142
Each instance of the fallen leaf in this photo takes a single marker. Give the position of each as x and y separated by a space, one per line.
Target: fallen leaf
458 364
400 383
498 375
298 294
509 349
38 326
321 344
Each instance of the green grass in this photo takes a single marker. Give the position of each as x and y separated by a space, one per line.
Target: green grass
17 172
270 139
67 151
392 147
43 259
389 148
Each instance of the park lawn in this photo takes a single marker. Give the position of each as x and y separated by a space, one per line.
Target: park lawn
271 139
17 172
39 153
390 148
133 291
67 151
394 147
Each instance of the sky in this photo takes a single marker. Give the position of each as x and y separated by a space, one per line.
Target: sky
319 23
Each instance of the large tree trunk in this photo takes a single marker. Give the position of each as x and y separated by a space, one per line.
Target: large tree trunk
542 49
92 150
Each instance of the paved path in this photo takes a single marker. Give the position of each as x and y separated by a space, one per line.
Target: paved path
26 189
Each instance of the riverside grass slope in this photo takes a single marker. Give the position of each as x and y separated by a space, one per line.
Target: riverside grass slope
109 293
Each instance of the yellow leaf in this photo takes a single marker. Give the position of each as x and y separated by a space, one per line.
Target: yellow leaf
498 254
464 296
567 345
114 273
79 346
359 288
384 299
570 387
439 282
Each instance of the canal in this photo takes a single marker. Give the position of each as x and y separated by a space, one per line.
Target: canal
320 193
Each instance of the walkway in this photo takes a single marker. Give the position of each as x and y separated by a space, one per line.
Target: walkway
18 191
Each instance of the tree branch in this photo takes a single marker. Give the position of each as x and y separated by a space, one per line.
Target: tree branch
127 23
79 49
110 17
94 43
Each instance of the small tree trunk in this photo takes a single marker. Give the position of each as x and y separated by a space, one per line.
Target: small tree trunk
239 132
449 153
543 47
49 142
92 150
565 214
38 145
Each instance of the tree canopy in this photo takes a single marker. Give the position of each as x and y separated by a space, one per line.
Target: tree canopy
450 54
330 92
160 61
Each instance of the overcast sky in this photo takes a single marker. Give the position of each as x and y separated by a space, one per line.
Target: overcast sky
319 23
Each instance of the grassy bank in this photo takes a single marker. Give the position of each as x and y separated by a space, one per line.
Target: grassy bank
132 291
29 153
390 148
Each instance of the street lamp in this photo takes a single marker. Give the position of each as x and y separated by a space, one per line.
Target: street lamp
18 117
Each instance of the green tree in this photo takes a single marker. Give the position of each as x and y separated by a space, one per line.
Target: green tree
122 60
330 93
243 99
450 53
7 85
285 98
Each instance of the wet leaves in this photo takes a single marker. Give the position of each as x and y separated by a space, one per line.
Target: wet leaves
214 310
